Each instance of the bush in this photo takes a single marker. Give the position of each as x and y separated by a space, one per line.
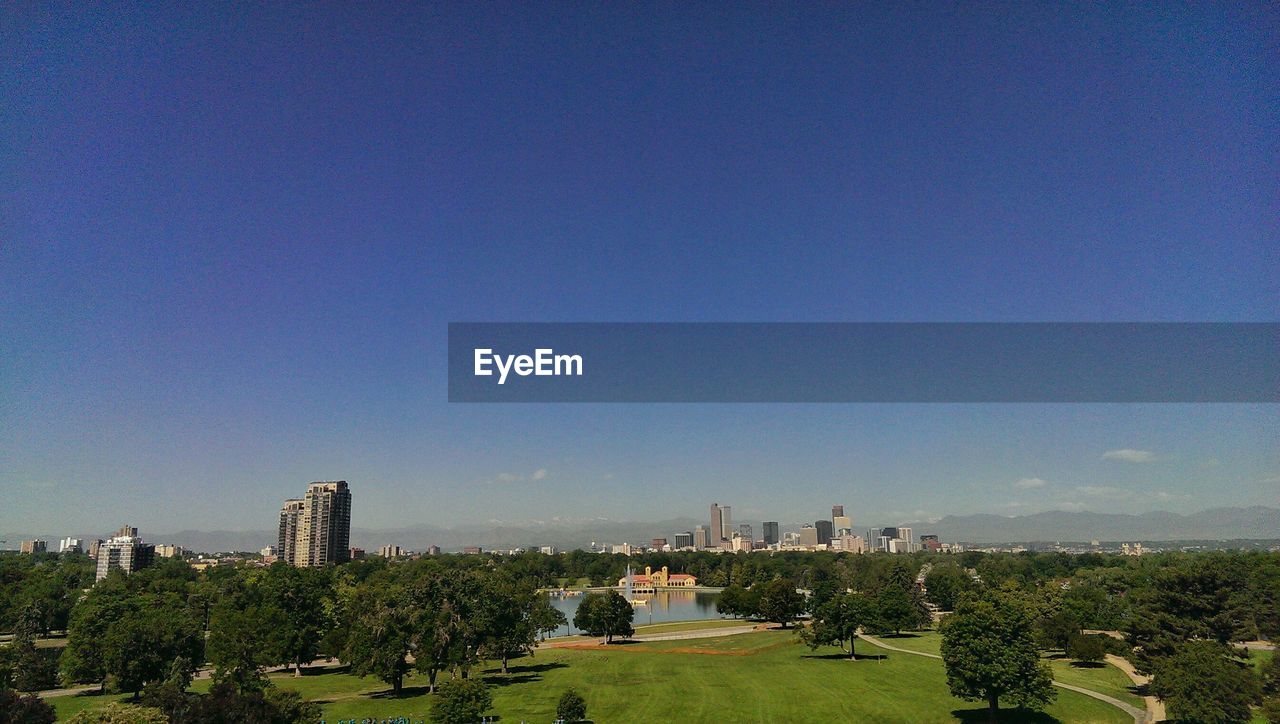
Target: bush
572 706
1086 647
460 701
118 713
29 709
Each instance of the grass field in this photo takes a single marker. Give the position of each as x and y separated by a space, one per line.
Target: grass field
759 677
1105 679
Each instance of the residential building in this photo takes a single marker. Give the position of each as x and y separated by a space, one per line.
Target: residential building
69 545
433 550
472 550
547 550
94 547
32 546
287 532
168 550
125 552
770 532
324 529
355 554
390 551
930 543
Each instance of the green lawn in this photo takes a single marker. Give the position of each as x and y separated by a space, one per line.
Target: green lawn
764 677
659 628
1106 679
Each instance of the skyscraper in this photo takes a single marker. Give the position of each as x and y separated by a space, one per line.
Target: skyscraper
287 536
684 540
325 528
824 531
701 537
744 531
837 511
726 523
770 532
716 532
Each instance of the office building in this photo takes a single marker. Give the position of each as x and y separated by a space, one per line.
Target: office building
287 533
824 531
324 529
355 554
930 543
70 545
701 537
684 540
850 543
124 552
770 532
726 523
837 511
716 533
744 531
841 524
472 550
33 546
809 536
94 547
907 545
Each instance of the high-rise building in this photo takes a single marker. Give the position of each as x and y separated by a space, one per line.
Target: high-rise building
841 522
168 550
125 552
287 536
70 545
837 511
808 536
701 537
716 532
726 523
684 540
390 551
127 531
824 531
33 546
770 532
744 531
324 530
907 545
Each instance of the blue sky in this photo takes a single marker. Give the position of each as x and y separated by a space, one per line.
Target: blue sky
232 239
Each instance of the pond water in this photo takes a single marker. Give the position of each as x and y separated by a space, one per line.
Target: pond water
659 607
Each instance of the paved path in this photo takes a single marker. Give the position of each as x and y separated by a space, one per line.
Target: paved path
702 633
1154 705
1139 716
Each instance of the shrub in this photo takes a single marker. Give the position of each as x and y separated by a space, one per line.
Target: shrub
572 706
118 713
460 701
29 709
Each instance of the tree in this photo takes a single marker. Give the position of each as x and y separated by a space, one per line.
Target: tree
382 635
299 595
1271 710
142 644
29 709
1088 648
1200 682
945 582
513 615
605 614
460 701
1271 676
990 654
732 602
837 621
894 611
780 602
239 632
572 707
31 668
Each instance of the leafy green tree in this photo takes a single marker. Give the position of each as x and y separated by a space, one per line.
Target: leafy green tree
299 594
238 643
142 644
1271 710
1055 630
894 611
381 636
837 621
32 669
990 653
780 602
605 614
514 614
945 582
1201 682
460 701
732 602
29 709
1088 648
571 707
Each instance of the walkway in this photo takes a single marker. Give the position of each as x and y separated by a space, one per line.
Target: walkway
702 633
1154 705
1139 716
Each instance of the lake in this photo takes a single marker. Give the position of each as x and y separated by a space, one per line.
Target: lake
659 607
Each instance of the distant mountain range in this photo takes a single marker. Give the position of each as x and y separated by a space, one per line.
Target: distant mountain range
1215 524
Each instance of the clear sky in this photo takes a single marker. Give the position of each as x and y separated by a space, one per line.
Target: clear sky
231 239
